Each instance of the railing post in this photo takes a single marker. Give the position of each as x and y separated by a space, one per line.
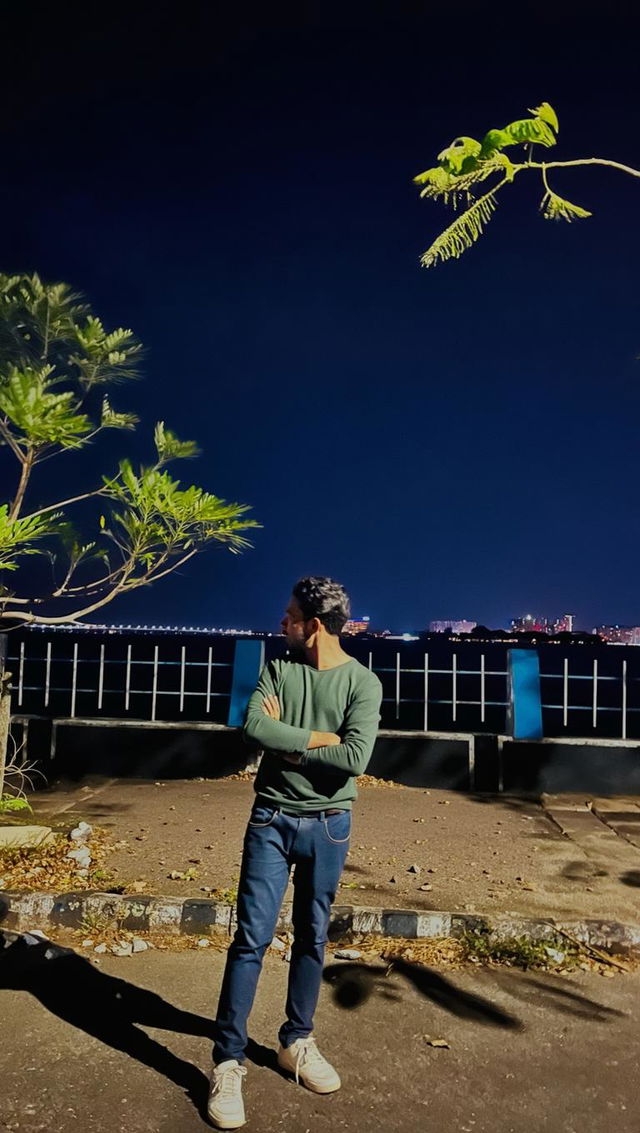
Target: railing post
247 663
524 715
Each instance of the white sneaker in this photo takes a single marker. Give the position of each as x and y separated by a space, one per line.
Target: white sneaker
310 1067
226 1107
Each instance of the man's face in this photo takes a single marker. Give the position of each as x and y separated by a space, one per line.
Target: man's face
294 627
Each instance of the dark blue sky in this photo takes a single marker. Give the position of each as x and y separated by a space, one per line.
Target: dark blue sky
454 443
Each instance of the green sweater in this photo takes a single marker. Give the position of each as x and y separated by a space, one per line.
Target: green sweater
345 700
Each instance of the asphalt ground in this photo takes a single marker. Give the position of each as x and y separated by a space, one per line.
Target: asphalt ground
124 1044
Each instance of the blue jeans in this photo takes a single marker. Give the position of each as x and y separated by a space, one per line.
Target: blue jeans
274 842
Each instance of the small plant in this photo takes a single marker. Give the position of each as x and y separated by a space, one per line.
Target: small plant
10 805
518 951
102 876
99 923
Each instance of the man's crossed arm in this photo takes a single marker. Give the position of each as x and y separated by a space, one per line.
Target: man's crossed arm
271 708
307 747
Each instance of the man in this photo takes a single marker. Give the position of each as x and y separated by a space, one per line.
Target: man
316 716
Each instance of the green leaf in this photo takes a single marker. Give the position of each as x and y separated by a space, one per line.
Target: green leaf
532 130
435 180
493 142
18 536
464 231
42 417
112 420
460 156
547 114
169 447
554 207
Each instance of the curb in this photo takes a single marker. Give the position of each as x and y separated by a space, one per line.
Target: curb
194 916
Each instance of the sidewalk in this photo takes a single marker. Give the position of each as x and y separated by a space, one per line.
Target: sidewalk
567 856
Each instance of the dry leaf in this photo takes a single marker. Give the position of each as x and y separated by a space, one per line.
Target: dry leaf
436 1042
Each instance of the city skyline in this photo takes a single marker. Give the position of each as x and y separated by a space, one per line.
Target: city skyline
613 633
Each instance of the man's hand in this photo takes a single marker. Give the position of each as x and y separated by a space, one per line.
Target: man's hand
271 707
324 739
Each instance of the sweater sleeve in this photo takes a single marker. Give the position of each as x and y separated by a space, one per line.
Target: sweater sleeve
262 730
358 734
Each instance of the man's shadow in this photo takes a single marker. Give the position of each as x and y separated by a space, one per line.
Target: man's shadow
103 1006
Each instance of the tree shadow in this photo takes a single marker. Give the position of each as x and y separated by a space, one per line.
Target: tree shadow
354 983
582 870
553 994
103 1006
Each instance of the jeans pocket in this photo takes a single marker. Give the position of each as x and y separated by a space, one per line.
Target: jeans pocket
262 816
337 827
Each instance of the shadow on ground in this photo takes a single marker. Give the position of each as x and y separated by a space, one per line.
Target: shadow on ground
354 983
103 1006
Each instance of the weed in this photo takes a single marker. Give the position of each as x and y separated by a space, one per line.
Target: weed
97 922
9 805
519 951
102 876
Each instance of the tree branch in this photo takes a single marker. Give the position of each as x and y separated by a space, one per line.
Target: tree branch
27 466
580 161
151 577
11 441
63 503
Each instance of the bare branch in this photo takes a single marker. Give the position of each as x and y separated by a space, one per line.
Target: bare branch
11 441
64 503
27 468
580 161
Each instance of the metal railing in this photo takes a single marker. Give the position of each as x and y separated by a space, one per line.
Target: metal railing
189 680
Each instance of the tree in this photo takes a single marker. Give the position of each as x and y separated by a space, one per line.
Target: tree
57 364
468 163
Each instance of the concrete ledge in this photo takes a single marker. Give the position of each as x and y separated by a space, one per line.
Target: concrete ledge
22 911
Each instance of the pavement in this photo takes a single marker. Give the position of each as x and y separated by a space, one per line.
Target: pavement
108 1043
566 856
125 1044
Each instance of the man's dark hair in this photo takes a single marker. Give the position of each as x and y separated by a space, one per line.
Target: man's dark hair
324 599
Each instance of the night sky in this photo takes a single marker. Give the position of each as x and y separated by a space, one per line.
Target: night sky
460 442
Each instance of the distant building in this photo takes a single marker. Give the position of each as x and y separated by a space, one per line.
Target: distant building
619 635
564 624
531 624
353 627
454 627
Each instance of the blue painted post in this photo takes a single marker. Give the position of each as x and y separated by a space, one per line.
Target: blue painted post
525 703
247 663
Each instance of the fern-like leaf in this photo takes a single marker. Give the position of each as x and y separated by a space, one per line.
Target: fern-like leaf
463 233
554 207
112 420
435 182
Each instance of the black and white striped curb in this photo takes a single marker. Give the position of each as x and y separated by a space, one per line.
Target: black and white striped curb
22 911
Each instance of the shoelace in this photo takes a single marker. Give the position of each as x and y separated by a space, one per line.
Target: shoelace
307 1052
230 1080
